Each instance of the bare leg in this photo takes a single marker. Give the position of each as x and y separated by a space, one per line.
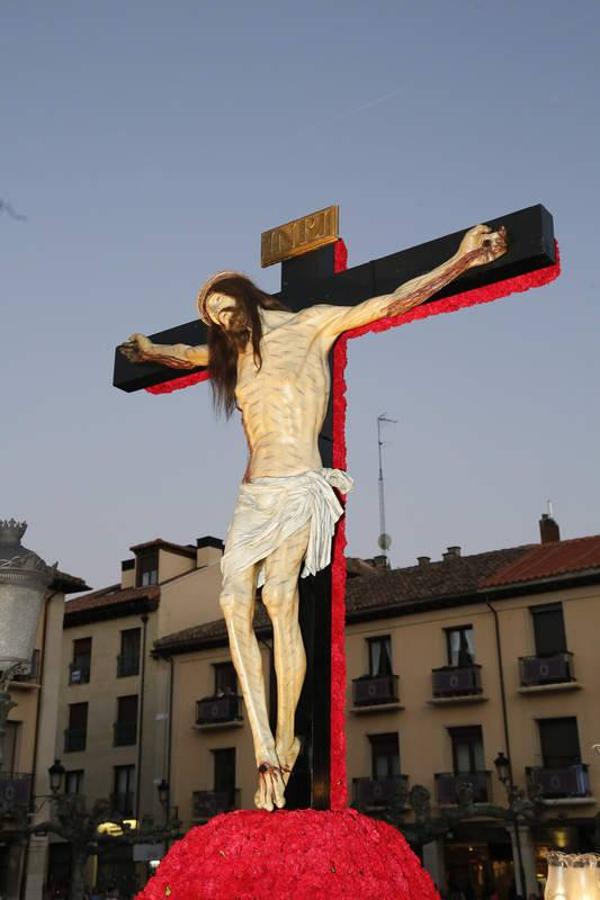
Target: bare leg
238 602
280 596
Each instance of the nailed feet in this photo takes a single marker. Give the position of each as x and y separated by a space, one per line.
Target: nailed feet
273 775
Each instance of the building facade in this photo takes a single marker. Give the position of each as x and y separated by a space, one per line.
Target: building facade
113 723
450 663
29 749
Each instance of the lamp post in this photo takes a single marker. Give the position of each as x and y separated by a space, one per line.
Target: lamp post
73 822
163 796
24 578
516 798
172 825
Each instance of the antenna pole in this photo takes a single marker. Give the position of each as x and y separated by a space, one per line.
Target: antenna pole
381 490
384 539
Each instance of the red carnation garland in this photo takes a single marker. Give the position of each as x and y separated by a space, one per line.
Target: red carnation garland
177 384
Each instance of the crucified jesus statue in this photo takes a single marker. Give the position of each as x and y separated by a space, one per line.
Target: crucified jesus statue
272 364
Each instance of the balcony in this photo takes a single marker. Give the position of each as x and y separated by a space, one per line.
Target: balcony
566 782
127 664
75 739
456 684
218 711
450 787
122 804
32 673
15 791
124 734
374 691
79 672
206 804
380 793
544 671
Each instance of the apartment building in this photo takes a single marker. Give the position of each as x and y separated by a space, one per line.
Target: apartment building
113 735
450 663
29 748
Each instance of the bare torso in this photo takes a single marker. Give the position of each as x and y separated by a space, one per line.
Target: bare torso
283 404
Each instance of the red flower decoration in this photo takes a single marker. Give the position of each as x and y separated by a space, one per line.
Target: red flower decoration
304 854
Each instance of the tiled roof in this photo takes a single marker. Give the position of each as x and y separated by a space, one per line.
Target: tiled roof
160 544
209 632
456 579
458 576
114 595
549 561
389 590
68 584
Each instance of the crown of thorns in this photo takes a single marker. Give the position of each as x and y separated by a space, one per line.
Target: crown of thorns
210 285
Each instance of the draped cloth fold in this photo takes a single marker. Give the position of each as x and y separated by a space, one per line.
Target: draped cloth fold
269 510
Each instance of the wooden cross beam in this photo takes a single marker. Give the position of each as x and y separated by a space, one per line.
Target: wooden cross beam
316 276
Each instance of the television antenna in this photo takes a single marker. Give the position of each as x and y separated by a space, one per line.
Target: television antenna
384 541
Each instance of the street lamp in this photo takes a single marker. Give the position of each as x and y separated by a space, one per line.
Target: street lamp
515 798
24 577
163 792
502 765
56 773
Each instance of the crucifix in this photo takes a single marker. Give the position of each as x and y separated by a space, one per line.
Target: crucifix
280 382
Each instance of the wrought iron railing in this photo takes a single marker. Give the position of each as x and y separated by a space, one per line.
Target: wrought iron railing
456 681
450 787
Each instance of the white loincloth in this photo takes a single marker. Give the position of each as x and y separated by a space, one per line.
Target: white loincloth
269 510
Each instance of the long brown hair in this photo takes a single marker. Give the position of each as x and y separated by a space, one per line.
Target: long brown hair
224 346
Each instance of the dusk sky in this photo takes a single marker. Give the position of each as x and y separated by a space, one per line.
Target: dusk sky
146 145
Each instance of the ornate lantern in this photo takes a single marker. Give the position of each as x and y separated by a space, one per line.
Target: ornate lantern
24 578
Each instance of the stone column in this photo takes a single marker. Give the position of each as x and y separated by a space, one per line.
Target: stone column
528 855
36 867
434 861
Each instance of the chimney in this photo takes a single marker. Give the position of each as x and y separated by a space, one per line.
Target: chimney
423 561
381 562
549 530
451 553
127 573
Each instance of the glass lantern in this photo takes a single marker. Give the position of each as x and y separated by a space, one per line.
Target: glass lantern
573 876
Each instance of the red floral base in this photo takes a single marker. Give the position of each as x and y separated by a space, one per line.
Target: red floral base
250 855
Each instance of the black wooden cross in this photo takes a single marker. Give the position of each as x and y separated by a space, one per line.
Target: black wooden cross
309 279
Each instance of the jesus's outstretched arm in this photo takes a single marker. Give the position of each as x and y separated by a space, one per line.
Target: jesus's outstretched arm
140 349
480 245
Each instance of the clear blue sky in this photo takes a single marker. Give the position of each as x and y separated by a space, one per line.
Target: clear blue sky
149 144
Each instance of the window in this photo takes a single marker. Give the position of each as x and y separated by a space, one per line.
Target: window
125 731
549 630
124 790
224 771
76 733
467 749
461 646
147 568
380 656
74 781
79 670
559 742
7 764
385 755
128 660
225 679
